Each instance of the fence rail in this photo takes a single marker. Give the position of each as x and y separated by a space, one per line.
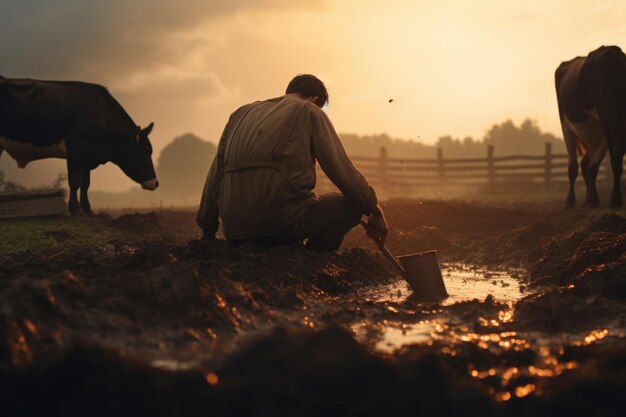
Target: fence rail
394 173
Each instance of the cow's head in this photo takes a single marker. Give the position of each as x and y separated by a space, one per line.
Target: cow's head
135 159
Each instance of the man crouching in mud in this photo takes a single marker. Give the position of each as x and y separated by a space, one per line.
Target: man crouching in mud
261 180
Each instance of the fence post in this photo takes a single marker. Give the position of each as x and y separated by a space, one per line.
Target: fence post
491 172
547 175
441 169
382 168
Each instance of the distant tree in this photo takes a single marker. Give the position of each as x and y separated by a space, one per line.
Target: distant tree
369 145
457 148
508 139
184 163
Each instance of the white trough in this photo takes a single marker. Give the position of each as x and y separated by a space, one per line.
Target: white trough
32 203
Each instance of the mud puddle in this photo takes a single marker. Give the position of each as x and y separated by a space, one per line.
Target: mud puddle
475 326
464 283
387 318
423 323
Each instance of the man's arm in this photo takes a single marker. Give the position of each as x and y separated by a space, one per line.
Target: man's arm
207 216
338 167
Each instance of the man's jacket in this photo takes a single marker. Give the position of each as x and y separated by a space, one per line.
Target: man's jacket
263 175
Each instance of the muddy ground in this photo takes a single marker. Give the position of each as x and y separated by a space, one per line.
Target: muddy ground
153 320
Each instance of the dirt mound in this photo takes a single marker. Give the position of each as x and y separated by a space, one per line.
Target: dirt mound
583 278
471 233
128 289
301 373
595 389
592 259
310 373
566 310
90 380
331 374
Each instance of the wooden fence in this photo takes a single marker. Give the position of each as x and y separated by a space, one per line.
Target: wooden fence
403 173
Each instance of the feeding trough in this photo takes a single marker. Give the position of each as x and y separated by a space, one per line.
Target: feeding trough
32 203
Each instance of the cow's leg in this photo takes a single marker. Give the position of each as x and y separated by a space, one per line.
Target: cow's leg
572 166
572 172
617 159
74 179
584 169
595 159
84 199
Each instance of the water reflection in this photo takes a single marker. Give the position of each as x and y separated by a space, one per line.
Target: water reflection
463 282
394 337
516 361
174 365
466 283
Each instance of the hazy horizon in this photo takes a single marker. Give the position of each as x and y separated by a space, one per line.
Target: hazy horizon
451 67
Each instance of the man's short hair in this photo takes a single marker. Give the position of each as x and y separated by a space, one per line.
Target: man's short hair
308 85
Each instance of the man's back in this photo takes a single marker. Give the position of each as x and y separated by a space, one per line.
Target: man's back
263 193
261 182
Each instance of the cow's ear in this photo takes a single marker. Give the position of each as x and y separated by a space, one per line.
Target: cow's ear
146 131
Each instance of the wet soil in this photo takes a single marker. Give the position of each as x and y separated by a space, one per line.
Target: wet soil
156 321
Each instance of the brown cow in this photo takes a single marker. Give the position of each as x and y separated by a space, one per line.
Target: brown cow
77 121
591 92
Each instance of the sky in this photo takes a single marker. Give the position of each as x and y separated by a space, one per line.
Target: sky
452 67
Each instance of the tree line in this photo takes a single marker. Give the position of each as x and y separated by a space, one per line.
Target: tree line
183 164
506 137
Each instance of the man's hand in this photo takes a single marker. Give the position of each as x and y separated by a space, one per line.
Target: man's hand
377 225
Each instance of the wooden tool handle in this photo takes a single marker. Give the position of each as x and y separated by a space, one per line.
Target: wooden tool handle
384 250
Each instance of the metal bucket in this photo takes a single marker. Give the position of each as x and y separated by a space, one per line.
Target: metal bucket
421 271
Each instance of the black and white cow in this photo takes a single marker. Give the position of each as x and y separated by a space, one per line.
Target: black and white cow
77 121
591 92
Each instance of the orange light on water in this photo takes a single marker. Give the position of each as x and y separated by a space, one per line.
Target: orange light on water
212 378
31 327
211 333
51 298
508 374
540 372
194 333
503 396
505 316
221 303
596 335
524 390
483 374
392 309
592 337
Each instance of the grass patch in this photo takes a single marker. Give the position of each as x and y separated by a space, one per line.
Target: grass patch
58 232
